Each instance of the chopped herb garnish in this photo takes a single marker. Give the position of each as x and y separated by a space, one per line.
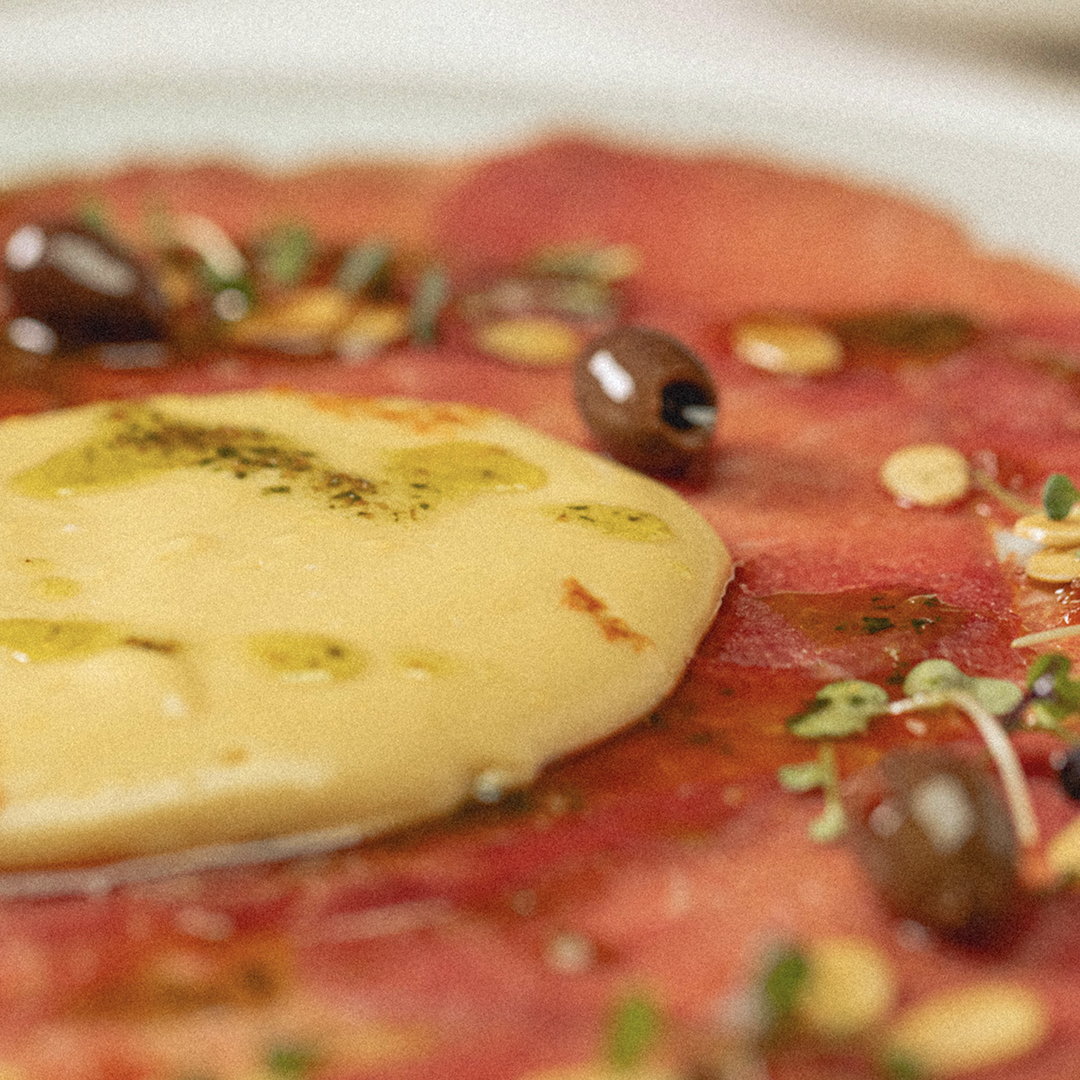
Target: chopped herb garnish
901 1067
93 214
1059 496
634 1028
840 709
597 262
781 984
874 624
429 299
291 1062
286 254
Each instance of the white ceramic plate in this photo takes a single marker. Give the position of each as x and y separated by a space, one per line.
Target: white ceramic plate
279 83
1031 20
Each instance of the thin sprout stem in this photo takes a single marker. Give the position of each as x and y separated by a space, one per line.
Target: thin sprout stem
1046 635
1003 495
1001 750
1008 766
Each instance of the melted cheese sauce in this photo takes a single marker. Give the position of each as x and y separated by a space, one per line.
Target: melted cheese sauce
243 616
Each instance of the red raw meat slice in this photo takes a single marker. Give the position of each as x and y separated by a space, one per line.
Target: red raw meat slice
665 860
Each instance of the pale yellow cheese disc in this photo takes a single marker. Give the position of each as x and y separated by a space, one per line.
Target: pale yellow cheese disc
255 615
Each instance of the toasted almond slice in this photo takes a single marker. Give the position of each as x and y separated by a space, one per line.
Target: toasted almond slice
974 1027
1063 851
1054 566
530 340
373 328
787 346
926 474
300 323
849 988
1055 534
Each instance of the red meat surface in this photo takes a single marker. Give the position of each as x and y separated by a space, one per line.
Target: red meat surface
667 861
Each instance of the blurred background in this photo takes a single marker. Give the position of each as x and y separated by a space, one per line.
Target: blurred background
973 105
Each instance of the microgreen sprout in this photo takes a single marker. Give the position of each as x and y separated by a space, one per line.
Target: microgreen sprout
1050 698
782 982
93 214
935 683
992 705
805 776
901 1067
1043 637
291 1061
840 709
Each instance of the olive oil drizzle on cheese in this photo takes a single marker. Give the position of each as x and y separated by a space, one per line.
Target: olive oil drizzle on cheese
299 657
45 640
137 444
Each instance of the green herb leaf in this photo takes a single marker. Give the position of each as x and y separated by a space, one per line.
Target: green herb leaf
635 1027
782 982
997 696
937 678
1055 695
365 266
805 776
926 334
933 677
840 709
1058 497
286 254
596 262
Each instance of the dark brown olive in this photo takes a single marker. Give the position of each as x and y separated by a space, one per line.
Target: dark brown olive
937 840
71 287
647 399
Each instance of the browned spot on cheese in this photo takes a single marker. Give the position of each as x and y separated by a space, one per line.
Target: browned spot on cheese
577 598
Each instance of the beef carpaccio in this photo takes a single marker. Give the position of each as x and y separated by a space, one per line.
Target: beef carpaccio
723 890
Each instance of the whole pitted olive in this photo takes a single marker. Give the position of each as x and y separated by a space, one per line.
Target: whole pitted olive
647 400
936 838
72 287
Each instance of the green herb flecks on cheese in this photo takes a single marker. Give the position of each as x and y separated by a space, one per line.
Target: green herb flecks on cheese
621 521
295 615
136 443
